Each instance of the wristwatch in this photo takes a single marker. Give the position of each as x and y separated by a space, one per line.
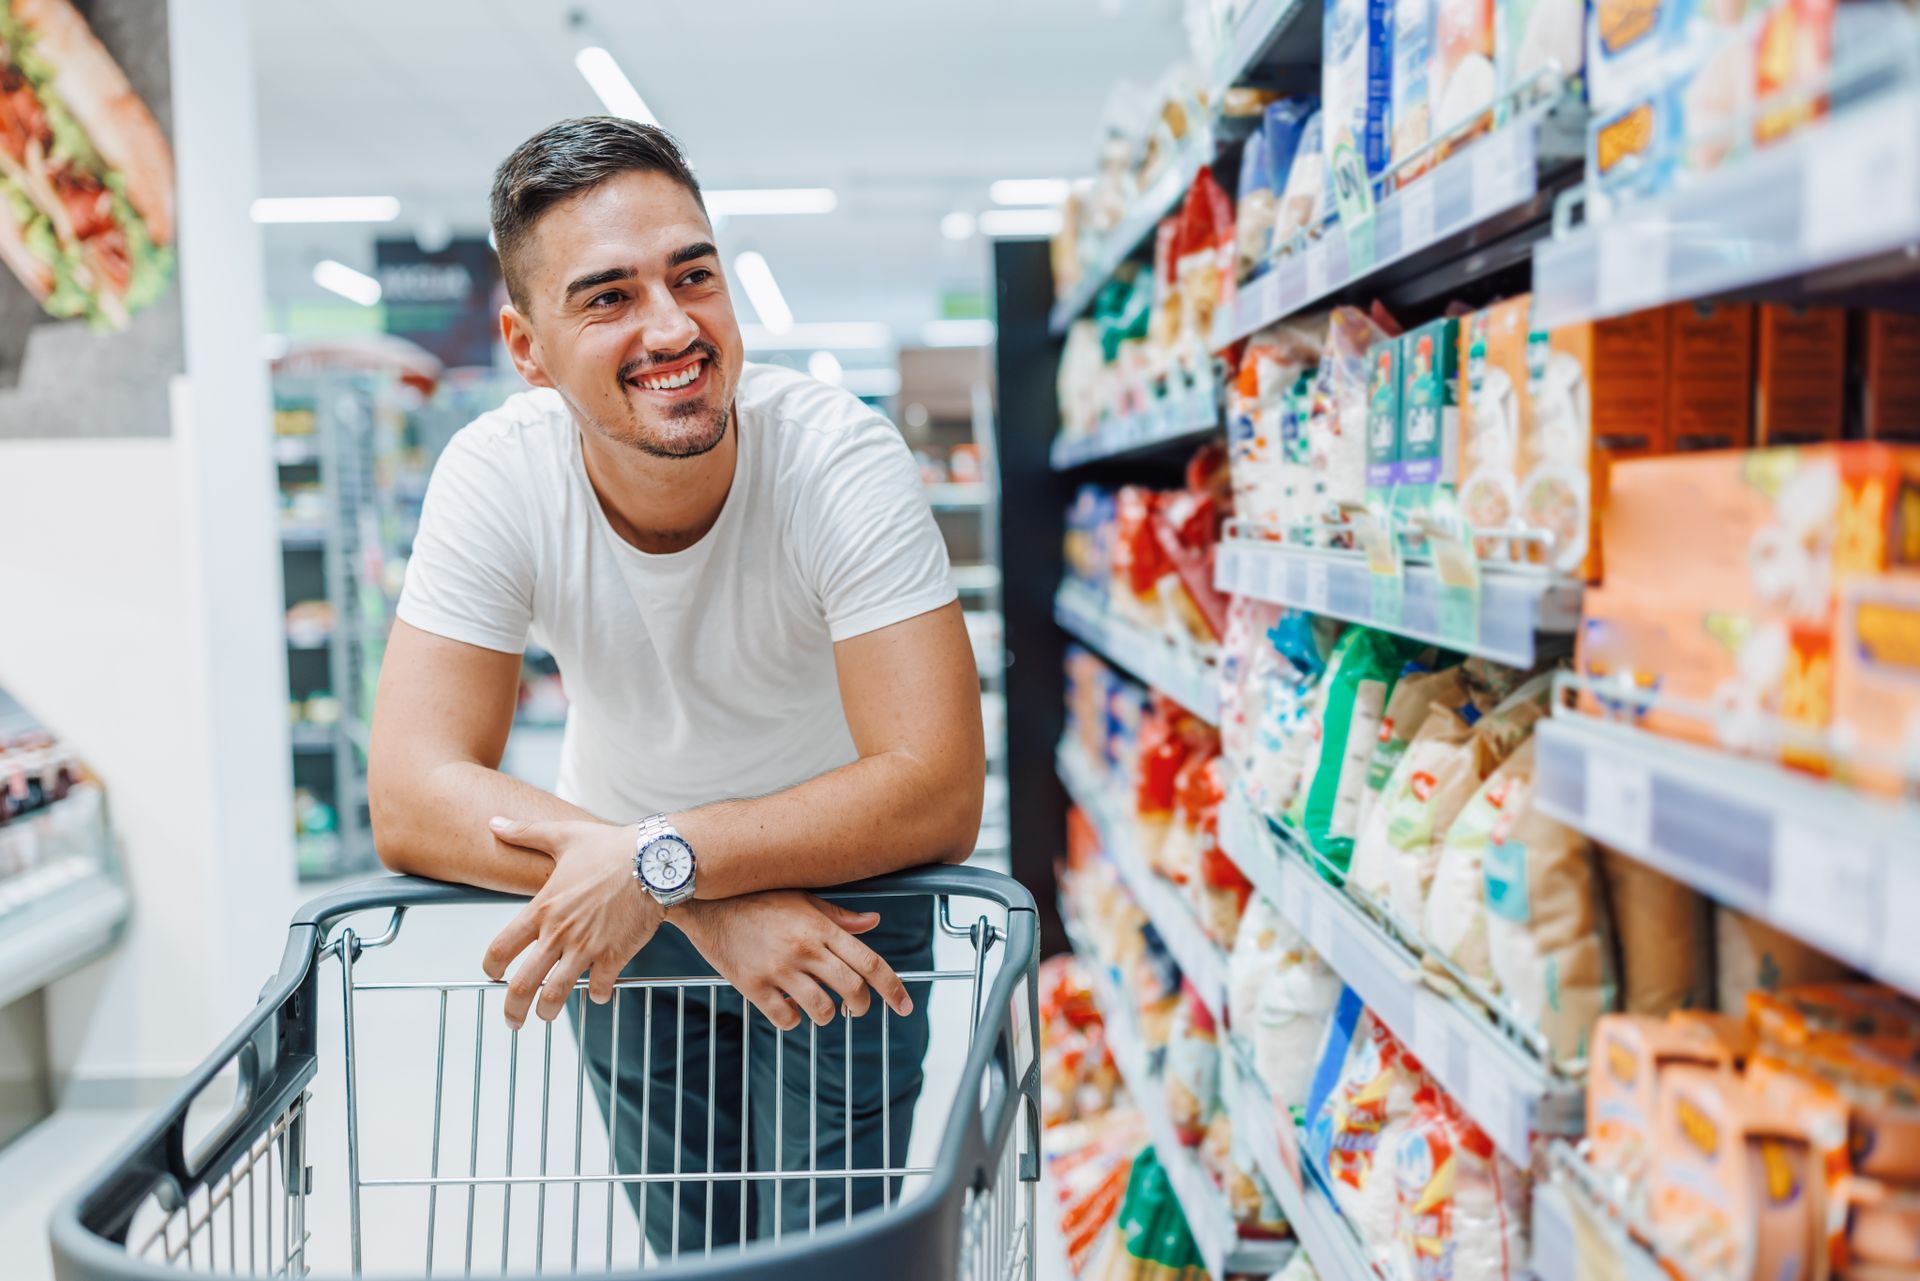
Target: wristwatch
663 861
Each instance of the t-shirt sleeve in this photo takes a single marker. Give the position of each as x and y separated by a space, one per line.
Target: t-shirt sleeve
470 577
870 544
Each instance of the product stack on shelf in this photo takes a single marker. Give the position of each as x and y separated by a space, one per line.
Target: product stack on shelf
1494 753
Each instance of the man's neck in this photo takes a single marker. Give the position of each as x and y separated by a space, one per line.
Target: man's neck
660 505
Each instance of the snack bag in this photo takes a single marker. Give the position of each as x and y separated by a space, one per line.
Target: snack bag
1462 1206
1416 693
1360 677
1193 1068
1365 1119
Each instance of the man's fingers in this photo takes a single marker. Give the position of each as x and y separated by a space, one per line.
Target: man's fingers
606 972
523 929
840 977
527 834
774 1004
811 997
526 979
846 918
559 985
879 975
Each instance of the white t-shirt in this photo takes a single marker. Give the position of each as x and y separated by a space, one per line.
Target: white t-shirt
702 674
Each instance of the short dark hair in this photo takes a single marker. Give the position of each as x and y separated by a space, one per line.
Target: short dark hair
563 160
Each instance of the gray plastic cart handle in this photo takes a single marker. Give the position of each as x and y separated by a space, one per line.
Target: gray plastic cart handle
274 1053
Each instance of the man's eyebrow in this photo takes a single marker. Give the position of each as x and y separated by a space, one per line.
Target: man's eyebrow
597 279
688 253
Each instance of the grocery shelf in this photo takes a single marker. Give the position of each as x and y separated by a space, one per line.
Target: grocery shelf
301 538
1500 1083
1575 1235
976 578
1452 207
1838 191
312 738
1200 960
957 497
1190 414
1513 609
1204 1205
1818 860
1317 1223
1148 656
1286 31
61 926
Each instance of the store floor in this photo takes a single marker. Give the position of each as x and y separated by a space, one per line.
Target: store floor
396 1037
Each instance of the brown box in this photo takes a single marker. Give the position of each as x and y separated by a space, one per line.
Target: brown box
1710 383
1800 374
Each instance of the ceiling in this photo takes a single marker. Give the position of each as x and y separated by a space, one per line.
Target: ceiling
906 108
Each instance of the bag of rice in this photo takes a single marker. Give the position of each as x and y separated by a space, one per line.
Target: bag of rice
1665 933
1455 923
1462 1207
1547 931
1263 943
1365 665
1290 1021
1414 697
1752 956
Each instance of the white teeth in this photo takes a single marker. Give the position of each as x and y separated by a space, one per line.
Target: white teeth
670 381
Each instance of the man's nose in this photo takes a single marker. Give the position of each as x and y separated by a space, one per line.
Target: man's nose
666 328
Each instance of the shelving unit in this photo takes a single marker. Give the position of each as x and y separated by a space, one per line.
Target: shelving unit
1204 1205
1148 656
1503 620
63 901
1576 1235
1200 959
1185 416
1817 860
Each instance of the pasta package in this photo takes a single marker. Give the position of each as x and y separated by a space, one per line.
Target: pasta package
1462 1206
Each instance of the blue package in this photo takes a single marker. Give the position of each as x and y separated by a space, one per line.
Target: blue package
1285 122
1341 1030
1356 80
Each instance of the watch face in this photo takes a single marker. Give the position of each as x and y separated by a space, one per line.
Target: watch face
666 863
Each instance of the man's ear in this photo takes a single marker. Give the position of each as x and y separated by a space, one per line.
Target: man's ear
517 334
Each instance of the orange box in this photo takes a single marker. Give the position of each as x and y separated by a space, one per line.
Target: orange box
1876 680
1710 387
1630 1056
1890 388
1734 1183
1823 1116
1800 374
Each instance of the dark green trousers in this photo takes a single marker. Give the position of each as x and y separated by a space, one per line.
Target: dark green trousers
707 1086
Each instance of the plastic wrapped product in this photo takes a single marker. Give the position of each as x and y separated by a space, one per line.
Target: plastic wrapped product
1229 1158
1416 693
1247 623
1254 210
1356 82
1303 202
1273 362
1289 1023
1149 1237
1462 1210
1547 930
1412 121
1266 941
1365 665
1632 1053
1366 1119
1455 924
1665 932
1221 890
1193 1068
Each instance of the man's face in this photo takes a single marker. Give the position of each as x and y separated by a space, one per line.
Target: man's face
628 316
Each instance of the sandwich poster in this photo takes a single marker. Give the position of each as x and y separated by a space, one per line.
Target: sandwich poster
89 317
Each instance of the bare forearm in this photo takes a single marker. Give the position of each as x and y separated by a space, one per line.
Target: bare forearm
880 814
433 822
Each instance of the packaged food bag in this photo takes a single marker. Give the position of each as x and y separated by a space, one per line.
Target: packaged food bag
1417 692
1368 1114
1751 956
1548 940
1266 940
1150 1236
1290 1017
1193 1068
1304 201
1462 1207
1455 924
1360 676
1665 931
1229 1157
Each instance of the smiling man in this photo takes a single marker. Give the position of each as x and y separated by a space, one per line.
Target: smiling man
771 691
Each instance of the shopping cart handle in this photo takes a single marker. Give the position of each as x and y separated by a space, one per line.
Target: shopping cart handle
376 892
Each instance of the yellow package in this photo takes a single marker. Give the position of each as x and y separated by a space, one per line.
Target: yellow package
1824 1116
1631 1055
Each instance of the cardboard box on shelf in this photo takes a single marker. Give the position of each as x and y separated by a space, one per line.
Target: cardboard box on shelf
1383 423
1710 389
1800 374
1876 681
1632 1054
1890 375
1429 459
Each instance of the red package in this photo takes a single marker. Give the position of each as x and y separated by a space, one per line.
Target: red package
1187 526
1138 558
1162 751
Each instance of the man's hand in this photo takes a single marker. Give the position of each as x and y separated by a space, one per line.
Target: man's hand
785 943
590 915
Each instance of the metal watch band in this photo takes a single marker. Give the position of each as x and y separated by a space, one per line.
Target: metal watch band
646 831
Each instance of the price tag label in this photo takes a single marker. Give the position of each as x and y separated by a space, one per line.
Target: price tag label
1388 599
1232 573
1459 609
1633 267
1416 213
1860 186
1269 575
1899 940
1430 1034
1826 886
1491 1104
1316 587
1293 898
1318 269
1494 179
1320 932
1619 803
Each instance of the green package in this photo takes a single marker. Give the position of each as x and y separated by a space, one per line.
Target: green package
1429 463
1360 677
1152 1225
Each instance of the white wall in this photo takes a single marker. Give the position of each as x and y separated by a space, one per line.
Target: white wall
147 627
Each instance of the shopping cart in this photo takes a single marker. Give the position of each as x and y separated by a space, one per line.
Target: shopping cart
234 1175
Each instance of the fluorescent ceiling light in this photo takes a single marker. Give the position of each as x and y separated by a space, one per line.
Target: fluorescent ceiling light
1019 222
958 225
957 333
354 286
1029 191
770 200
326 209
872 382
611 86
763 292
826 367
857 335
